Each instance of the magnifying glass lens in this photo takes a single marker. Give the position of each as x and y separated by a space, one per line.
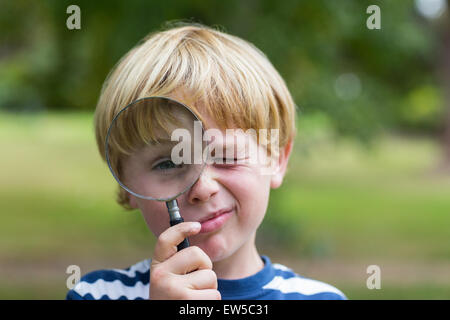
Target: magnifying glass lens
154 148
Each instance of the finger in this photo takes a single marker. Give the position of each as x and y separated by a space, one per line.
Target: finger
200 279
206 294
188 260
166 246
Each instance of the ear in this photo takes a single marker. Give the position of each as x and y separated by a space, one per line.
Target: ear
132 201
277 177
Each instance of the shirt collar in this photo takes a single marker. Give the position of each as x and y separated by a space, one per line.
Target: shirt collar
251 284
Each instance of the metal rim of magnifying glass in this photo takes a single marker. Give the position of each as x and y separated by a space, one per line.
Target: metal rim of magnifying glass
109 162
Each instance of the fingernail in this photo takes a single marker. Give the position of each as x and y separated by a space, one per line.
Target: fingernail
195 226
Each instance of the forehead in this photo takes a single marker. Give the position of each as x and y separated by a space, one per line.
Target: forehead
210 114
224 130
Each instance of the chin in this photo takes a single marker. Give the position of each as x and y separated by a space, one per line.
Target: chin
215 247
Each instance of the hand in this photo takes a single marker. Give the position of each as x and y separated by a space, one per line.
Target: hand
186 274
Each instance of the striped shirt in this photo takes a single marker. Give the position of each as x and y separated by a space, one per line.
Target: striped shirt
273 282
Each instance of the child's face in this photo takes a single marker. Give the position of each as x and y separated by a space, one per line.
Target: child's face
235 196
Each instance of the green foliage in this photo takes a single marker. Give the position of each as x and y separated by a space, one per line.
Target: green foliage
338 201
43 65
422 108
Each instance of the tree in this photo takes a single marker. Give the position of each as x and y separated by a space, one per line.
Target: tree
445 78
362 80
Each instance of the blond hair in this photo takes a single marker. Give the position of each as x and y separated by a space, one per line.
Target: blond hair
231 80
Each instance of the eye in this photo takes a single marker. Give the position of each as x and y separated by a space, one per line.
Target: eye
225 160
229 160
166 165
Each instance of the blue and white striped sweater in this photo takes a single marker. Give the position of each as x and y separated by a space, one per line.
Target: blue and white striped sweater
273 282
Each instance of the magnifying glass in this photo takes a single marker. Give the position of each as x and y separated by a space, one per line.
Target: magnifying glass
154 148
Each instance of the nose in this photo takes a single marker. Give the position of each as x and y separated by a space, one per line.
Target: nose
205 187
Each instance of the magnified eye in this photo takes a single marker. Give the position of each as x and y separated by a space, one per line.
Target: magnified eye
166 165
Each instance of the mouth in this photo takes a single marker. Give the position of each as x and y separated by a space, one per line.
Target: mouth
215 220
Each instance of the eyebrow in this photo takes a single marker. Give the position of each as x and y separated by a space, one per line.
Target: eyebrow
160 146
229 145
161 141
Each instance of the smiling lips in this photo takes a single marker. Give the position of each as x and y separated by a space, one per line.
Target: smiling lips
215 220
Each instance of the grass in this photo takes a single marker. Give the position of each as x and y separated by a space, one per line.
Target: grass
339 201
386 196
417 291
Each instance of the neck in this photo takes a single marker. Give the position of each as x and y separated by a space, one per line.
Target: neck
242 263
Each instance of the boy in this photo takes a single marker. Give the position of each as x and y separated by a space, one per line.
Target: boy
231 84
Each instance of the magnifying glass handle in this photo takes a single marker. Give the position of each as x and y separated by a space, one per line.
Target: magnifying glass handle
175 218
185 242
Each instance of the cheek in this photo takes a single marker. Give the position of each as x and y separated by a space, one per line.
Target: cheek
251 191
155 215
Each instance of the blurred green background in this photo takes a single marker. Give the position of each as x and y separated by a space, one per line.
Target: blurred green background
368 182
